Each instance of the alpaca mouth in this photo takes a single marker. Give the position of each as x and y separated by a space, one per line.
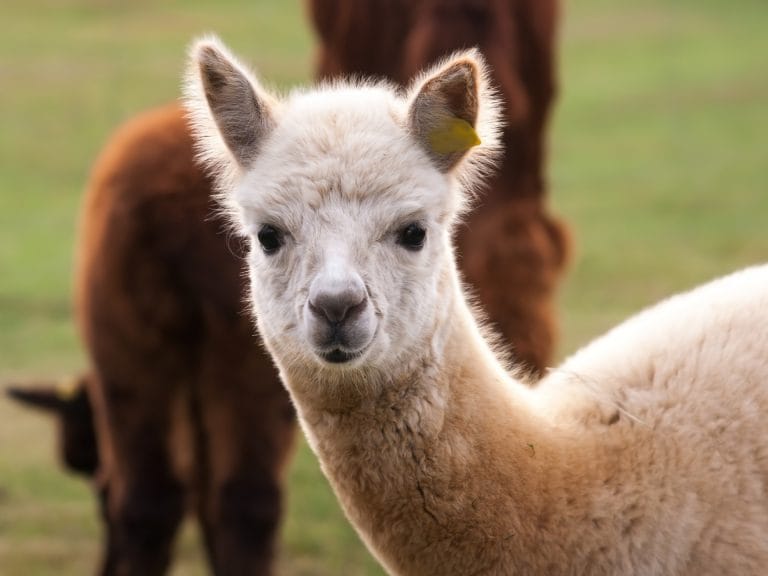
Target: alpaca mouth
340 346
338 353
339 356
339 350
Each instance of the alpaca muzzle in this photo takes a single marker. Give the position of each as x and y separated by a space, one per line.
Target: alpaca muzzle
339 318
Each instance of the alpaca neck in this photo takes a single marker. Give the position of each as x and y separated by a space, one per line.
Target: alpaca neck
444 444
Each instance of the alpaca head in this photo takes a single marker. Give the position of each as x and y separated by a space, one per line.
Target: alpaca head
348 195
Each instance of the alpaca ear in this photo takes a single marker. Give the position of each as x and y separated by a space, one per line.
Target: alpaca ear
219 88
444 111
48 397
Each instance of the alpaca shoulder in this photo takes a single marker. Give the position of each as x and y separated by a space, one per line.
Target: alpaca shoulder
694 359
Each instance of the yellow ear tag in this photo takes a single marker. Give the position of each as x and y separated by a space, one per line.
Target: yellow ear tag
454 135
67 389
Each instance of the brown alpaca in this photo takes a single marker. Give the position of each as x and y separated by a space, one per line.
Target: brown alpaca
188 411
512 251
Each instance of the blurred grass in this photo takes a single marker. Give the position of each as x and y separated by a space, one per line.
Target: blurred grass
659 163
659 158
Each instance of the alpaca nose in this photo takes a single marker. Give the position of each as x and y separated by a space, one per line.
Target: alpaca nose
337 303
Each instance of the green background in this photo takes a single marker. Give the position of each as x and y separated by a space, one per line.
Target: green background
659 162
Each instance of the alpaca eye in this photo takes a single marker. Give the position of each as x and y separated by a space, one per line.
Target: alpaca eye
270 238
412 237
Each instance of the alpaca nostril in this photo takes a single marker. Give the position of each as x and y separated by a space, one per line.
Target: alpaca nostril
338 307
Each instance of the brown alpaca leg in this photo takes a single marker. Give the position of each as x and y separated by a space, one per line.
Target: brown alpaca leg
143 500
250 426
107 564
244 531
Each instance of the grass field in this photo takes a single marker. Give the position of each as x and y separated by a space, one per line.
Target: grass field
659 161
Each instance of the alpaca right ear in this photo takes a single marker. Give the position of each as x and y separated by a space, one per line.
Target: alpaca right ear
454 114
444 112
226 106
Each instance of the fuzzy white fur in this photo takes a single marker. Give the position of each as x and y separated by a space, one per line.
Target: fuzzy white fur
645 453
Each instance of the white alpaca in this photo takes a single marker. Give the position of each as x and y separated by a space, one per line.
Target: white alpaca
646 453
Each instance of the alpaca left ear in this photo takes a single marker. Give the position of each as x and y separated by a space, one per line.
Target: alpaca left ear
444 112
226 106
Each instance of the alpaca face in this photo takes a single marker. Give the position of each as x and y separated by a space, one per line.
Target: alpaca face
348 195
344 244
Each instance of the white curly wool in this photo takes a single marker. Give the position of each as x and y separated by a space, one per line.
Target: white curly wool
645 453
